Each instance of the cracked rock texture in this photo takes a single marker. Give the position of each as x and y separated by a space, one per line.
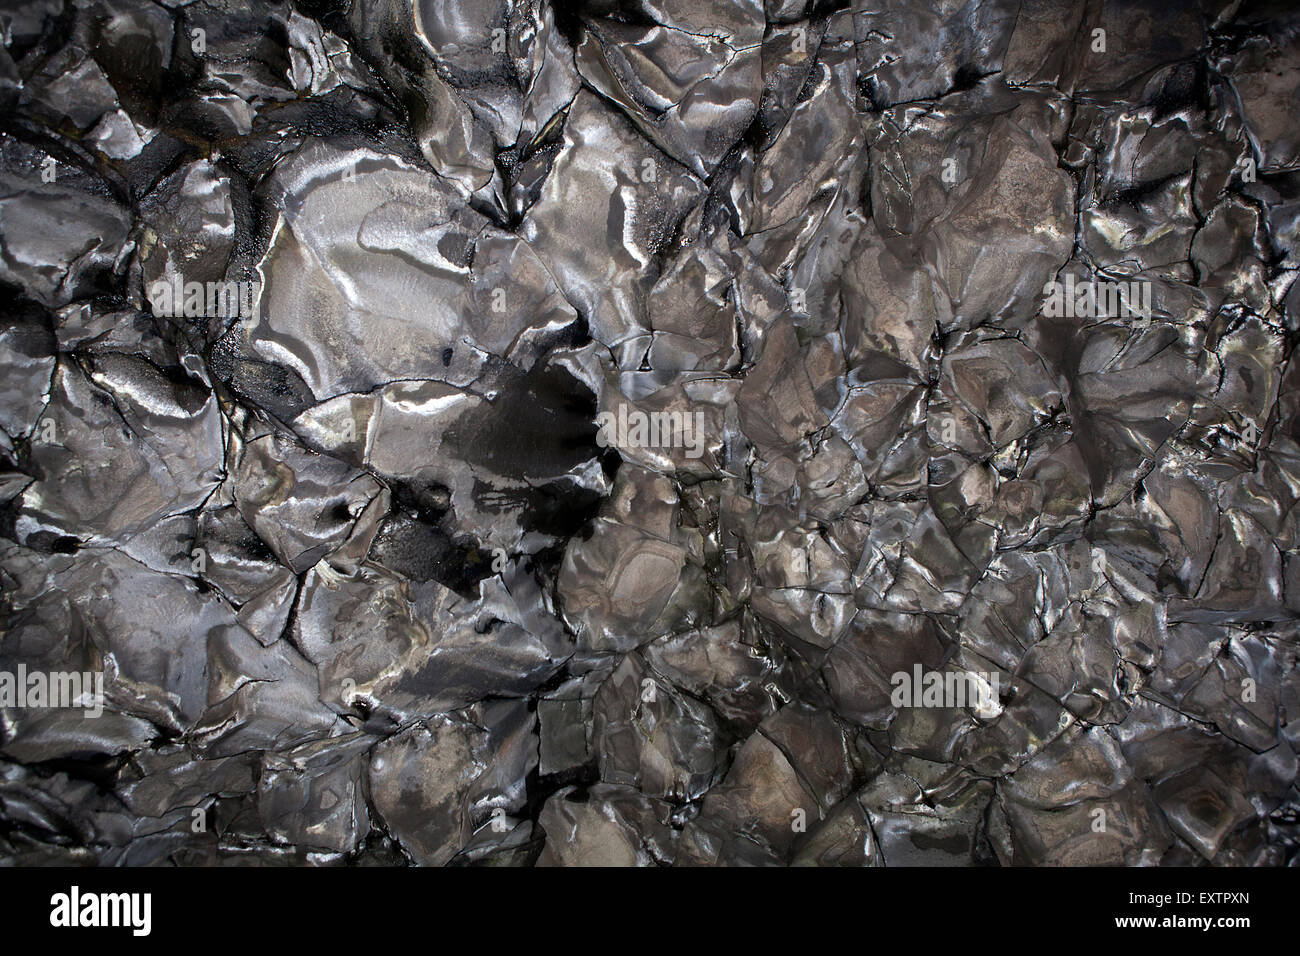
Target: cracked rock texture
367 580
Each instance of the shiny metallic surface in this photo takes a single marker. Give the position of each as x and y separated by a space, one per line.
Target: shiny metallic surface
649 433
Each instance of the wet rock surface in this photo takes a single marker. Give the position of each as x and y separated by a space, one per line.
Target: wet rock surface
514 432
